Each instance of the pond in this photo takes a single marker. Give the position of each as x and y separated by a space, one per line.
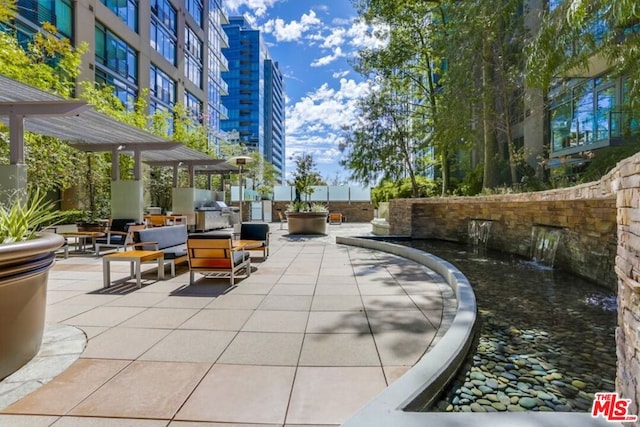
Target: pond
545 339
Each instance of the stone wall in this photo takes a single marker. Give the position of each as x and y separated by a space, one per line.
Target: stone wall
601 241
351 211
627 184
587 247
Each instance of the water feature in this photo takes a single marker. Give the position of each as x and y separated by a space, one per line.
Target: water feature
545 340
478 231
544 244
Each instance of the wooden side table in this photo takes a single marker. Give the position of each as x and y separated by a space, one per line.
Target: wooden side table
135 258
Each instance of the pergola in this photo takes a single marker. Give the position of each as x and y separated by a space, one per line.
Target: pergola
24 107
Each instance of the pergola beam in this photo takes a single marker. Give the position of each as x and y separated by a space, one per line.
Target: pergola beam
43 108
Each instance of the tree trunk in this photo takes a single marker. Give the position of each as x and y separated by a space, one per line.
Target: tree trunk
490 178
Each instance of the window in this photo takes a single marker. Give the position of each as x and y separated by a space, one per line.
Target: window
162 88
58 13
116 64
164 29
193 106
194 7
193 57
127 10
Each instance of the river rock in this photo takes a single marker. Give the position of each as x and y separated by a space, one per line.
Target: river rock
527 402
476 407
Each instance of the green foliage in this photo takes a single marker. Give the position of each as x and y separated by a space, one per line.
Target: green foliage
305 176
401 189
21 220
71 216
297 206
607 159
318 207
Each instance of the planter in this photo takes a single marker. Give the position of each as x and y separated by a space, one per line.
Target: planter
24 269
307 222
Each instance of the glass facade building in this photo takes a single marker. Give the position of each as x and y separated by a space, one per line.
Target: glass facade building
170 48
255 99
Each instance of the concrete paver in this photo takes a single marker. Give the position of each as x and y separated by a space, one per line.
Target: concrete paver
314 333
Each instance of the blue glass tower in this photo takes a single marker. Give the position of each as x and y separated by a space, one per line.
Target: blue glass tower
255 99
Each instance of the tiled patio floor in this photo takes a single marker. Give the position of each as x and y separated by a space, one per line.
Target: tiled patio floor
315 332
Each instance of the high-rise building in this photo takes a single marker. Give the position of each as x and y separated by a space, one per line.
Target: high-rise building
170 47
274 116
255 99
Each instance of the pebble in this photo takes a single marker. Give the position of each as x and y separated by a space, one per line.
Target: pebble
515 408
492 383
578 384
476 407
527 402
499 406
477 376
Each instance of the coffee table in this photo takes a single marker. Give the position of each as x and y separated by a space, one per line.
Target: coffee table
135 258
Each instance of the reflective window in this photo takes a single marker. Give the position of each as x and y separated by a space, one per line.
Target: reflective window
162 88
193 106
127 10
193 57
164 29
194 7
58 13
115 54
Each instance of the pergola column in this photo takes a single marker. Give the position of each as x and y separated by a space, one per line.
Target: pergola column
13 177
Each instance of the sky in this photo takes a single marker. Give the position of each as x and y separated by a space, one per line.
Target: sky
313 41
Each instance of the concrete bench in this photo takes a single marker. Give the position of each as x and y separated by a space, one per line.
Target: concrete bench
172 240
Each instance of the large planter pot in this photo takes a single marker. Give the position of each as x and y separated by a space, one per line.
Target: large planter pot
24 269
307 222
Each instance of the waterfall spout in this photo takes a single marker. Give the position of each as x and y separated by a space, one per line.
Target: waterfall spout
478 231
544 243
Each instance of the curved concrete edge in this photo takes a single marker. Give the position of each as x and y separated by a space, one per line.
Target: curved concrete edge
439 365
435 369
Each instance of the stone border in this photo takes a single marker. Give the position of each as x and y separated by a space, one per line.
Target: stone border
436 368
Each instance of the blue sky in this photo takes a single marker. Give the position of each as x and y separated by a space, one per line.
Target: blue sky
313 42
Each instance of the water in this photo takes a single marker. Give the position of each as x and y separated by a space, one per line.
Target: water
545 340
544 243
478 231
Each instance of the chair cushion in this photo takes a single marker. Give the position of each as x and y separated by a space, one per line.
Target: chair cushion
114 239
238 257
254 231
175 252
121 224
166 237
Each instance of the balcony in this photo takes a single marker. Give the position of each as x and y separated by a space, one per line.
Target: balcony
604 131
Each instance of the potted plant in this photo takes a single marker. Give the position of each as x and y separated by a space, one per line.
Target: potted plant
26 256
304 217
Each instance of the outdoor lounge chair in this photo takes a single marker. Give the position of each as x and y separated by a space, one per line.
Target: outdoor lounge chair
214 255
119 235
257 231
283 219
335 218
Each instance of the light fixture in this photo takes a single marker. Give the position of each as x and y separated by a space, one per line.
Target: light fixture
121 147
180 164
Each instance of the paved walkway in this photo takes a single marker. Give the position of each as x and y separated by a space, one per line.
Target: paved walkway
315 332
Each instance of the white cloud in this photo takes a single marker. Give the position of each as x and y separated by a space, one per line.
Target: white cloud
314 123
325 60
259 7
363 36
340 74
336 38
291 31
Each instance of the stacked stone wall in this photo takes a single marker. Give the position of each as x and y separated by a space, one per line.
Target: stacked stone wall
587 247
601 241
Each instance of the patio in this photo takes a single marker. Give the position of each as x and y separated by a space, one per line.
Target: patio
312 335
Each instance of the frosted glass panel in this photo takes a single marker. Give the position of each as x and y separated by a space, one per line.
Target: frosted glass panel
283 193
339 193
360 193
319 193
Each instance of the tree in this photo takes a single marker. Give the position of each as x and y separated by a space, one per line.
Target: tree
408 66
305 176
381 145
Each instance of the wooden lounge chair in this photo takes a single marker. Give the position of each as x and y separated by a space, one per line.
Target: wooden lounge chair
283 219
214 255
258 231
335 218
